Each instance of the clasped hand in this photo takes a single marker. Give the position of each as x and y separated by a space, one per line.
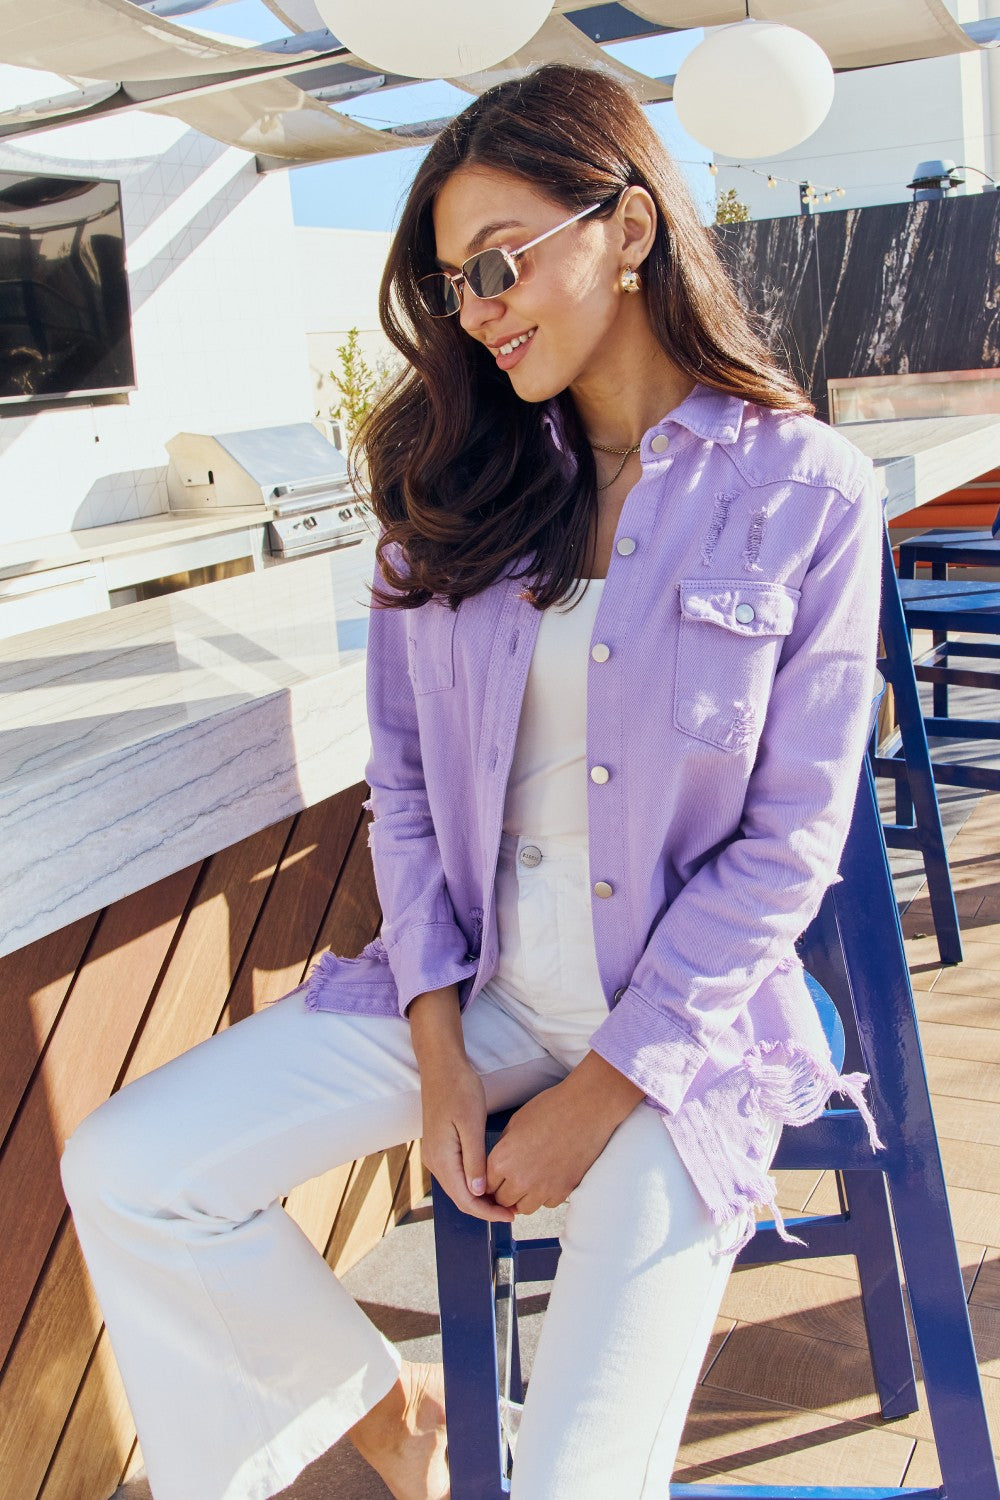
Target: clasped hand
546 1149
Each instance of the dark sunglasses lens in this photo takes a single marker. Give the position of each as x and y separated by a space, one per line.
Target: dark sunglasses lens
489 273
439 295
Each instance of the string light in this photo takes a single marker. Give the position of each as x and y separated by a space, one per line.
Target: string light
810 193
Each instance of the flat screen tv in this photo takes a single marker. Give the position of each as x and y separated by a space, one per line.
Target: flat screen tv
65 328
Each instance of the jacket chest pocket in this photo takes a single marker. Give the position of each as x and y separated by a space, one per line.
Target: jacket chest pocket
730 638
430 647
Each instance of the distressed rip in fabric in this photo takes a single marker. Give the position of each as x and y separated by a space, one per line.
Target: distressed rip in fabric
723 1136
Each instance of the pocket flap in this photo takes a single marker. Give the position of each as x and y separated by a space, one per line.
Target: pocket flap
745 608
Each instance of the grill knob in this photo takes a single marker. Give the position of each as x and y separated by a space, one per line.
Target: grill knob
309 522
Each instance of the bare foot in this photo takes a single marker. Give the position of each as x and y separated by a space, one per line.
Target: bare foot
404 1438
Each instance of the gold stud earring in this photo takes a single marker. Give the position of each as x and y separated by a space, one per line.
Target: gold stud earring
629 280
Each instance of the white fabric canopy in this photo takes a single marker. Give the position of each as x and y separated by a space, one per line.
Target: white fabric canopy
560 41
112 39
297 15
852 33
169 68
275 119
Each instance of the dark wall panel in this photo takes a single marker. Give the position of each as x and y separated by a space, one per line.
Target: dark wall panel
774 264
896 288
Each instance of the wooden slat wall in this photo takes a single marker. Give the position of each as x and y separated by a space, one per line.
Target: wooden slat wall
102 1002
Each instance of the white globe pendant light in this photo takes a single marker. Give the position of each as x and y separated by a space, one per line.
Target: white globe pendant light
754 89
433 38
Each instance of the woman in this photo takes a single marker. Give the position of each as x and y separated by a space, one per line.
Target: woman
597 832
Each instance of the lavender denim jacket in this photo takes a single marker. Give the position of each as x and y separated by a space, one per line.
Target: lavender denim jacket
730 707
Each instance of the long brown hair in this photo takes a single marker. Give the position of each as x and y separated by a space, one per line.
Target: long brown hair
465 477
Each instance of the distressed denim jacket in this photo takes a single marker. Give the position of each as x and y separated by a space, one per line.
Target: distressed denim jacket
729 684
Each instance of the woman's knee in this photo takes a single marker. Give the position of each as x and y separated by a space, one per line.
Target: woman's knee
103 1158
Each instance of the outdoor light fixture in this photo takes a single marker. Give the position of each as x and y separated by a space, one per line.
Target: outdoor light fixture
754 89
935 179
435 38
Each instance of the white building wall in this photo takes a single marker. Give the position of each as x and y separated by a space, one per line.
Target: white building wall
340 271
219 328
882 123
990 68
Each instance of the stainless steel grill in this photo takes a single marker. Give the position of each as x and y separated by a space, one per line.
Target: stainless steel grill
292 475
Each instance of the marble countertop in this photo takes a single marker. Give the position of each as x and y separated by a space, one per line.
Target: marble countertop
59 550
134 742
924 457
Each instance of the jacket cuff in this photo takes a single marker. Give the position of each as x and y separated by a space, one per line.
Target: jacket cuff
641 1041
429 957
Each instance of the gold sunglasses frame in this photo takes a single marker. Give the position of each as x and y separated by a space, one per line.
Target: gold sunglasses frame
461 278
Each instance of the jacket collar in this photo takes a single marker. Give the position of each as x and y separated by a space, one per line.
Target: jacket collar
711 415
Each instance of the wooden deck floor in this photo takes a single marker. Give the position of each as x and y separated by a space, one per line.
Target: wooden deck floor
786 1396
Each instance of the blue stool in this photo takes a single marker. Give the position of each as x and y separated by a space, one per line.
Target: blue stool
906 757
855 950
941 607
940 548
959 604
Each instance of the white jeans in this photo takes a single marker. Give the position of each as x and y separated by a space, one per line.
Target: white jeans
242 1355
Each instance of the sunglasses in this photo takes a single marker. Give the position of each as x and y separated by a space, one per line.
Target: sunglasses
490 273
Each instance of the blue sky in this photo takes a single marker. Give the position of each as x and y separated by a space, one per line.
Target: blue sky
366 192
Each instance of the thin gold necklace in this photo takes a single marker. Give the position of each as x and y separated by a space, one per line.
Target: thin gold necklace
624 453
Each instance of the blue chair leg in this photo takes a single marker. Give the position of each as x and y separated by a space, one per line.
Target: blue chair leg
904 809
881 1304
944 1336
464 1249
939 691
516 1374
907 564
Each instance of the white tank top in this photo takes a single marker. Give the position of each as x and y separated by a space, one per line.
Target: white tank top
547 788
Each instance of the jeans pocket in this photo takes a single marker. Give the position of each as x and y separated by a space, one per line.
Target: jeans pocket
730 639
538 933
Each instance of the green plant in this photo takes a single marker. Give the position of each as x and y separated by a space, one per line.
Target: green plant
731 210
357 383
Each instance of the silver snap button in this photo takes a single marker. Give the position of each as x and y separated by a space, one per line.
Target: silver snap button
660 443
745 613
600 652
625 546
619 993
602 888
530 856
600 774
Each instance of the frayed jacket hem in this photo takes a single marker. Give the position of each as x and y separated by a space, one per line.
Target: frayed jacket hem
724 1137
